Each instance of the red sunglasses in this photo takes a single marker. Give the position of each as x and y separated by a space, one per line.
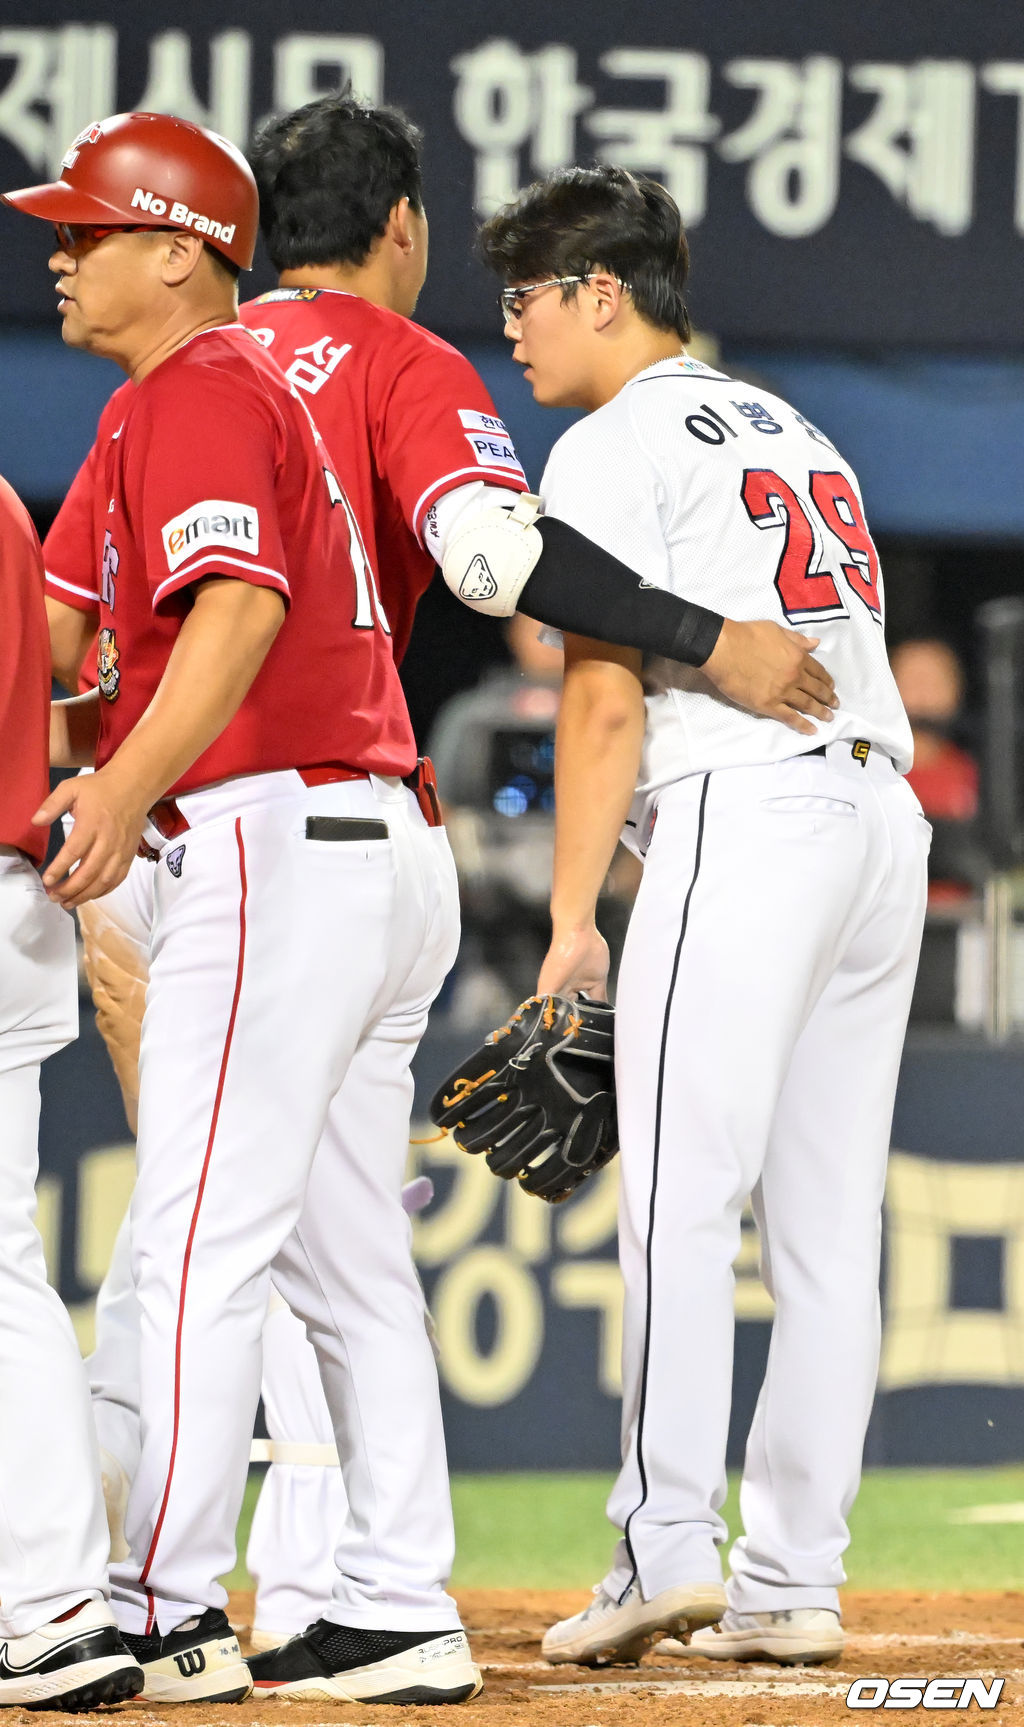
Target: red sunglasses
72 235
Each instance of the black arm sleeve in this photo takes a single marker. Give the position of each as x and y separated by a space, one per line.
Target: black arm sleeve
578 586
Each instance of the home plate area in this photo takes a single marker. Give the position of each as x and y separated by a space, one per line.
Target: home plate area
890 1635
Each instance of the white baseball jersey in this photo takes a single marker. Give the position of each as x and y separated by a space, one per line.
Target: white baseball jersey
783 538
775 936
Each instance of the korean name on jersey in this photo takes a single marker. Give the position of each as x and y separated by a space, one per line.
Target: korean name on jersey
728 496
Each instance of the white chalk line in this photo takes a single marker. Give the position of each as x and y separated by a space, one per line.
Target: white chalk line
760 1674
864 1640
867 1640
710 1688
659 1675
725 1688
924 1640
1000 1513
501 1631
515 1667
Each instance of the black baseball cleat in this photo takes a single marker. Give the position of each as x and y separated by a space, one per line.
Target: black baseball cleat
347 1664
198 1662
76 1662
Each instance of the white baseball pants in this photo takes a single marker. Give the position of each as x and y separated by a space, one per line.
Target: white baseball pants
53 1534
302 1504
116 931
276 960
762 1004
302 1507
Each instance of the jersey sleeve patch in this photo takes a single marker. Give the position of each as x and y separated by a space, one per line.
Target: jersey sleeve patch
213 522
489 441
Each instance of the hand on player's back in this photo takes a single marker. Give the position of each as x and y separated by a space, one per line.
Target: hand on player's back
771 671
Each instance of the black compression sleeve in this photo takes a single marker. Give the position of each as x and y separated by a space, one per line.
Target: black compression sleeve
578 586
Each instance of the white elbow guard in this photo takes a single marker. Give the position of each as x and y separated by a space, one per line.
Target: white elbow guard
488 562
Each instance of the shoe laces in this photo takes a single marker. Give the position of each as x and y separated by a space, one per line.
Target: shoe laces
605 1603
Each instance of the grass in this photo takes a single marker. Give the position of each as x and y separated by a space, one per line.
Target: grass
550 1531
902 1537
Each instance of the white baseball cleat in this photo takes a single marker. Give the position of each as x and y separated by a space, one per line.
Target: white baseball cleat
610 1630
349 1664
198 1662
73 1663
789 1635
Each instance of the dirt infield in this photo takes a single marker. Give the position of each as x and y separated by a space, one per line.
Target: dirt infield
890 1635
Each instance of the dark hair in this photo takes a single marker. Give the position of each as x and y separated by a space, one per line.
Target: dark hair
328 176
225 265
583 219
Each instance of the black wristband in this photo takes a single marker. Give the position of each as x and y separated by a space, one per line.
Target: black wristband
578 586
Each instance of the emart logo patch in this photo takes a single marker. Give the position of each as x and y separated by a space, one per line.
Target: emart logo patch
214 522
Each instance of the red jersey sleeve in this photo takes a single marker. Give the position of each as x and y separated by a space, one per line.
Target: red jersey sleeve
438 427
24 680
68 552
72 575
201 486
72 563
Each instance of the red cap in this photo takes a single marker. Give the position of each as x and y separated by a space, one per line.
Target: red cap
142 170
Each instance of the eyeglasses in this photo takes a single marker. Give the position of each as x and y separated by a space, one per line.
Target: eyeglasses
72 236
509 298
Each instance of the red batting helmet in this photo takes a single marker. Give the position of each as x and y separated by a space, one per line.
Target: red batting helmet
152 170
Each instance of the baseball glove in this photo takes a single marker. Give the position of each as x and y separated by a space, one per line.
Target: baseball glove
538 1097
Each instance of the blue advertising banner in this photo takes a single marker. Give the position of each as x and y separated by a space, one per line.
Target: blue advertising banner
849 174
526 1297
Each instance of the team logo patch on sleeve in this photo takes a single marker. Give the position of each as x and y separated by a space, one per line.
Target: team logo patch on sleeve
108 674
490 443
214 522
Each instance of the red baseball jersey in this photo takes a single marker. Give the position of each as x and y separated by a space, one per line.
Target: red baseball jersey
212 466
24 680
405 417
68 547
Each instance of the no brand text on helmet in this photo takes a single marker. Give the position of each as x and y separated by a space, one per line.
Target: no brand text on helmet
180 216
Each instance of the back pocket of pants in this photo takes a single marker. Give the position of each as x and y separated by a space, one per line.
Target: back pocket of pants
808 804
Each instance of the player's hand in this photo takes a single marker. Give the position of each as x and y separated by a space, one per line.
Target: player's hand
576 960
99 849
771 671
